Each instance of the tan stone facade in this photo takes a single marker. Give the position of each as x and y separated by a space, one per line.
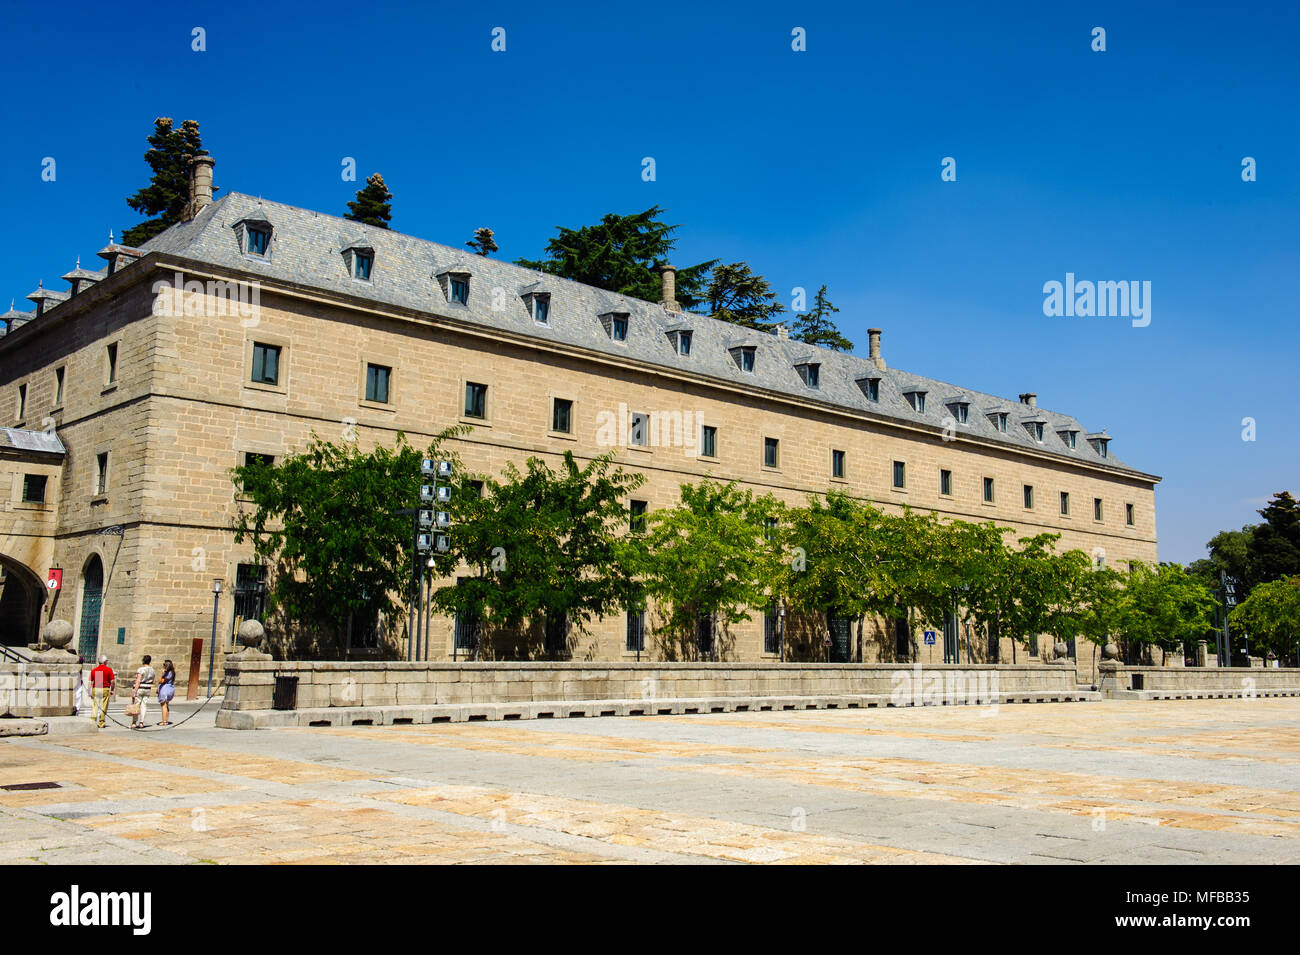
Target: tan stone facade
182 411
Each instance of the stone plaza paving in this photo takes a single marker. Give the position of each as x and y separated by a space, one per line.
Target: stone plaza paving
1117 782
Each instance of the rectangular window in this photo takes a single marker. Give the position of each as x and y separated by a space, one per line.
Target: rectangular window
361 265
22 402
917 400
1065 503
811 375
708 441
945 483
636 522
769 528
562 415
618 328
771 631
635 631
639 435
771 452
873 389
34 488
683 343
747 359
257 458
58 387
963 412
988 490
704 636
1029 497
475 400
460 291
1128 515
541 309
1038 431
900 474
266 364
837 464
101 473
1096 509
258 240
112 363
377 377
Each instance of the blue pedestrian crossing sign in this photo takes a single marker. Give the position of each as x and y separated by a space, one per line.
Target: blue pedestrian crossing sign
930 637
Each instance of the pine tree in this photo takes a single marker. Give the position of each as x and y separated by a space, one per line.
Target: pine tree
735 294
372 206
484 241
816 327
168 192
622 253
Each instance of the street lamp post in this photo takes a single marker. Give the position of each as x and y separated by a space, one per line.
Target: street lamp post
212 648
781 627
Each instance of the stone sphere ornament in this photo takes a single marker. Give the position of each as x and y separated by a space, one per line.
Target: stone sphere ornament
1110 652
57 634
250 634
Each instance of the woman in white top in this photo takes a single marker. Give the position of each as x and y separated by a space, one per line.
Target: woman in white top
140 692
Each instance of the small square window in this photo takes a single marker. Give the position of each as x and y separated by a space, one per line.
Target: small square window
771 452
112 363
58 387
945 483
636 520
683 343
459 289
1128 515
837 464
266 364
361 265
34 488
1096 509
618 328
562 415
988 490
1029 497
709 441
541 309
1065 503
258 241
900 474
475 400
101 473
377 380
639 434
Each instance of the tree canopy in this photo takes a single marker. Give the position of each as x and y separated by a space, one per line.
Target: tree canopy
373 205
735 294
816 327
165 198
484 241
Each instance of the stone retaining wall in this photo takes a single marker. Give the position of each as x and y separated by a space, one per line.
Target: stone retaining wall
38 689
1179 683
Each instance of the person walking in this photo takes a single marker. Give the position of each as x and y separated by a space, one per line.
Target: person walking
144 677
102 680
166 690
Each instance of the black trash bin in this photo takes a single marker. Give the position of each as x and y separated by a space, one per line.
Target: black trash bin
286 692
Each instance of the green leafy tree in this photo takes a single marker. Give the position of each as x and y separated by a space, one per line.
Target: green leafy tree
1164 606
735 294
547 546
326 522
168 192
373 204
1275 544
484 242
709 557
622 253
1270 616
816 327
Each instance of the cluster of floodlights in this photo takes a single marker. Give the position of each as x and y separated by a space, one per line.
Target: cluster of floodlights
433 521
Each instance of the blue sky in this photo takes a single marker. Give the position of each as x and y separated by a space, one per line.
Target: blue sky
815 167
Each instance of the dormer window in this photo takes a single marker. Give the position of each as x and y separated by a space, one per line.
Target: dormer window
460 290
360 261
916 399
1035 429
999 420
683 343
615 325
743 356
1099 441
542 309
455 285
810 372
254 237
870 388
960 409
1069 438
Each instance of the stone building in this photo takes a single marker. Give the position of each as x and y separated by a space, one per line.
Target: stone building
252 324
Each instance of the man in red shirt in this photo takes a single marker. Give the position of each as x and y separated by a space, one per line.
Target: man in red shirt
102 679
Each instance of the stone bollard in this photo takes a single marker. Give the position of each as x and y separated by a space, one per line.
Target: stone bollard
56 635
249 636
1060 654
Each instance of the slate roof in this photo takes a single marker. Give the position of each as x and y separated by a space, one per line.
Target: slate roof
41 442
305 249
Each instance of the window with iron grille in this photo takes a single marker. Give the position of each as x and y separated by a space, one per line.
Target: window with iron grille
557 636
34 488
250 594
704 636
466 630
771 631
636 631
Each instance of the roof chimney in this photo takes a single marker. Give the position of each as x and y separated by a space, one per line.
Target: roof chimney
200 184
781 331
874 354
1029 398
669 295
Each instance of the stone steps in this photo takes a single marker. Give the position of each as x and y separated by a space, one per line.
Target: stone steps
578 709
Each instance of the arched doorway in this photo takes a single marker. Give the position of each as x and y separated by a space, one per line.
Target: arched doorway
92 599
22 594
